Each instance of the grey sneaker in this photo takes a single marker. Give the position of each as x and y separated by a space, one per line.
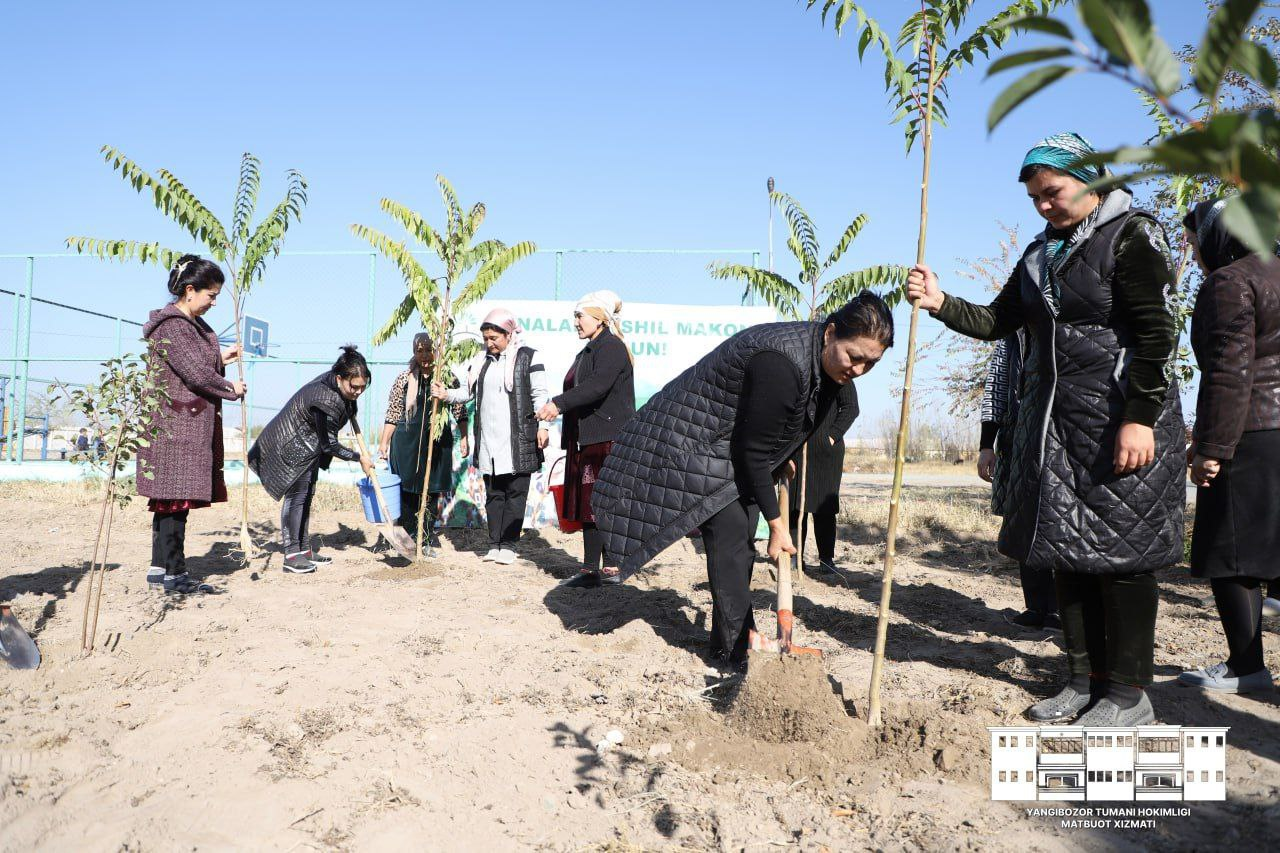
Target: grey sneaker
1270 606
1064 706
183 585
298 564
1108 713
1215 678
155 577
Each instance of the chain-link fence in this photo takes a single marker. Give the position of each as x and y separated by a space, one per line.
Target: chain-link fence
62 315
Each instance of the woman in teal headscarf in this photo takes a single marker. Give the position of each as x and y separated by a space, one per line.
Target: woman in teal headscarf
1097 473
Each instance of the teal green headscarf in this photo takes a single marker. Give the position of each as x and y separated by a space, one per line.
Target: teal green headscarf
1060 151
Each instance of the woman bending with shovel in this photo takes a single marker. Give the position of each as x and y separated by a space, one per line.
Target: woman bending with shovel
300 440
707 448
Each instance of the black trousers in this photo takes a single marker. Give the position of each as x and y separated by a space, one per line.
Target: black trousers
1038 591
1109 625
593 553
730 555
505 496
1239 601
295 512
824 532
168 541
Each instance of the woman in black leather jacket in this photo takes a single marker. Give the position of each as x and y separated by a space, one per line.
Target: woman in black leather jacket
599 397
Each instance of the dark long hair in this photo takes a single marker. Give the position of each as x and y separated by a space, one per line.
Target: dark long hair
351 364
864 316
195 272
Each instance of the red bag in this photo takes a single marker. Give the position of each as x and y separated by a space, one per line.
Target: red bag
557 495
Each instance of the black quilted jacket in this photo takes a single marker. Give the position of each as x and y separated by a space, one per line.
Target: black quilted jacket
1067 510
288 446
670 468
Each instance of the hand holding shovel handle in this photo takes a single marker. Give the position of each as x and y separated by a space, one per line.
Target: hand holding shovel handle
786 619
397 537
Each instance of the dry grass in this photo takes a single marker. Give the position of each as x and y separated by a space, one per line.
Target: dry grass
84 493
939 514
878 463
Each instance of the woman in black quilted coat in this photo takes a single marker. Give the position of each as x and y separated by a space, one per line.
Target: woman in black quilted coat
300 440
1097 466
708 448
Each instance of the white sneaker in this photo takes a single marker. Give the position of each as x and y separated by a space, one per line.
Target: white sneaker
505 557
1270 607
491 556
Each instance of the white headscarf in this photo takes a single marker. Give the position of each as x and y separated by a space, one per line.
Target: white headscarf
605 301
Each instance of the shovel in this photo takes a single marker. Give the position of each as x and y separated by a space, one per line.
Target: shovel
16 646
786 620
399 540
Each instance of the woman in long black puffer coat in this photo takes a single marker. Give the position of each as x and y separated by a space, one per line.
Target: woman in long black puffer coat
1098 457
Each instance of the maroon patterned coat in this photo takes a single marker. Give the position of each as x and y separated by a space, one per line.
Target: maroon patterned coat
185 456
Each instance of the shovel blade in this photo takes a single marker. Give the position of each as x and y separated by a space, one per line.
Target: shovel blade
401 541
17 649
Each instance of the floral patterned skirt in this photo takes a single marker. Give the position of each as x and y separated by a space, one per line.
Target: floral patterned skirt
581 469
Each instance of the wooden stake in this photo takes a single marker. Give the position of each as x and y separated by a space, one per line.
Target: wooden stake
899 459
246 541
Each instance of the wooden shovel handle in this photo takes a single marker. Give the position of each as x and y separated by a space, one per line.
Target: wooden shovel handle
373 477
784 559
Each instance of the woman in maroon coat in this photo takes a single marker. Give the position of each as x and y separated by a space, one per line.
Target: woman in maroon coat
181 470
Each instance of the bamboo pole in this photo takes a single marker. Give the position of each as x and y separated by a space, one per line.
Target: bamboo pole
426 477
437 361
886 581
246 541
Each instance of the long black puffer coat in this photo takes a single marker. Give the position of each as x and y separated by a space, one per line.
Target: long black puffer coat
670 469
289 445
1067 509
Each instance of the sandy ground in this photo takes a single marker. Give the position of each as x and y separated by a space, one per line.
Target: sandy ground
458 705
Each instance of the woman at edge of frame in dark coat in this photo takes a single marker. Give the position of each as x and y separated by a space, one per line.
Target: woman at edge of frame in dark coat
1098 459
711 445
407 419
181 468
822 480
301 440
599 397
1235 446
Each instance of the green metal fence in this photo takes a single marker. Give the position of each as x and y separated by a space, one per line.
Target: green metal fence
71 312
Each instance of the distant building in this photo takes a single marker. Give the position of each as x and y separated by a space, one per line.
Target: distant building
1140 763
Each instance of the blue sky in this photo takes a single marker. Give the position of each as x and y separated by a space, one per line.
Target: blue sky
579 124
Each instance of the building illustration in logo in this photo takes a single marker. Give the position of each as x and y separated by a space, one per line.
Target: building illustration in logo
1140 763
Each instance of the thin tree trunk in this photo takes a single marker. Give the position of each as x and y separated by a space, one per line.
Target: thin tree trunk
103 524
102 573
246 541
426 476
886 581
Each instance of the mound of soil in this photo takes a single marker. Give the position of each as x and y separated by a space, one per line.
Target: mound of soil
787 720
788 699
